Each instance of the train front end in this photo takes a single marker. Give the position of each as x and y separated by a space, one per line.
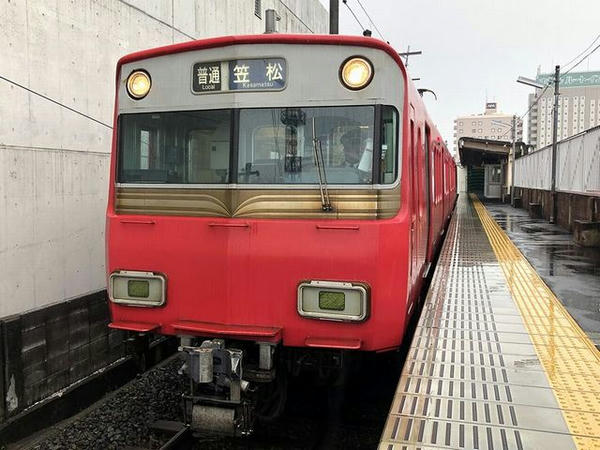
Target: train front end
255 211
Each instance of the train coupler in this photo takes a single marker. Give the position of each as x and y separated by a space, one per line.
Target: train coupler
215 402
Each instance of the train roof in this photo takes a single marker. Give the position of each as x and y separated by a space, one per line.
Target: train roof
272 38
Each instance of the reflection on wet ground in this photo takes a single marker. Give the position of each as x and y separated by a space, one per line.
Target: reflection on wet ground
571 271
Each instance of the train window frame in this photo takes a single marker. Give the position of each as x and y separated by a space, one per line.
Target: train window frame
185 153
374 137
233 176
378 157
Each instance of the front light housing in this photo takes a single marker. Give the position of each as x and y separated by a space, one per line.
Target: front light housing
138 84
137 288
356 73
333 300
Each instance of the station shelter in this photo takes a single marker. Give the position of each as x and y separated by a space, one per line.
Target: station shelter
487 166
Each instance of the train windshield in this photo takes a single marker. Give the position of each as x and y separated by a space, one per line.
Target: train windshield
273 146
277 145
175 147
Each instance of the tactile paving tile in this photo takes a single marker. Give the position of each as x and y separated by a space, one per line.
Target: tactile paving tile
474 377
573 369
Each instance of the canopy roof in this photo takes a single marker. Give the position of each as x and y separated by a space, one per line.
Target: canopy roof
476 152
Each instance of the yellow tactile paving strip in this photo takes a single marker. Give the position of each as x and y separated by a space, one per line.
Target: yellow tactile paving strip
573 371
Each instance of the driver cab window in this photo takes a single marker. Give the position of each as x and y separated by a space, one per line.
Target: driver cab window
285 145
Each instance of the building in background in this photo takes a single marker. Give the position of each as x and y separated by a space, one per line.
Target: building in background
578 107
491 125
54 165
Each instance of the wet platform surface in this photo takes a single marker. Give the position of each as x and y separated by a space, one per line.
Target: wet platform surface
571 271
496 361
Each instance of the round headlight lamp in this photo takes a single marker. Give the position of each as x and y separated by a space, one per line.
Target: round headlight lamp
356 73
138 84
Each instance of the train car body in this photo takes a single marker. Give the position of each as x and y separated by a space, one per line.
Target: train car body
265 211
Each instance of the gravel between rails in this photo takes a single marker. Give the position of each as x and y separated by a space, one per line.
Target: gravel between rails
121 419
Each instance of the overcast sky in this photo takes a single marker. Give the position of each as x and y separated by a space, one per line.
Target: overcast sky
474 50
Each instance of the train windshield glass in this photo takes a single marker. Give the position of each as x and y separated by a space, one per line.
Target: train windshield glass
175 147
277 145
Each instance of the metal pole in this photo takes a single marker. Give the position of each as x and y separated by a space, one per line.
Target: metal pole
514 158
554 143
334 16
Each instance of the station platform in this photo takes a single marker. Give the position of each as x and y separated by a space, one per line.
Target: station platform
496 361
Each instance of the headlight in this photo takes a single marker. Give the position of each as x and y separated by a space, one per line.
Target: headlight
356 73
333 300
137 288
138 84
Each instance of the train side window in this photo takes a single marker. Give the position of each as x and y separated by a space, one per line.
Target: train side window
389 145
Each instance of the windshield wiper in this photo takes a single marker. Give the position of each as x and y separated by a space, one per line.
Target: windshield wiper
318 150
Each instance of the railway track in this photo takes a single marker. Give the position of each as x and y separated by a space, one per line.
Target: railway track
179 436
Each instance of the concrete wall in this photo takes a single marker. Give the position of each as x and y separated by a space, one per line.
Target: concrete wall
53 162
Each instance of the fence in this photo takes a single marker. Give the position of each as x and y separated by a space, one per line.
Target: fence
577 165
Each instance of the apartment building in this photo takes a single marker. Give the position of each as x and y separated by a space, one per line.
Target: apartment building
491 124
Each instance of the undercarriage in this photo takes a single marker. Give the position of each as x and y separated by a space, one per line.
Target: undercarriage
232 384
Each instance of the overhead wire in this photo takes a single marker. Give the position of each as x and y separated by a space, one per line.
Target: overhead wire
297 17
550 82
585 50
529 109
370 20
561 75
581 60
56 102
354 15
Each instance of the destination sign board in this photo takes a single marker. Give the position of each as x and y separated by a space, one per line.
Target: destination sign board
256 74
206 77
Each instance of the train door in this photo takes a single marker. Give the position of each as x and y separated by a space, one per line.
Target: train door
492 181
421 188
414 200
444 189
428 195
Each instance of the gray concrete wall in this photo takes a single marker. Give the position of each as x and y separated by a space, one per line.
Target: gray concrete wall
53 162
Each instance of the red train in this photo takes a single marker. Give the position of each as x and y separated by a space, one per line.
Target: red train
275 201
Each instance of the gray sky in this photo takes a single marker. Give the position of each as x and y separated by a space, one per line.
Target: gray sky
476 49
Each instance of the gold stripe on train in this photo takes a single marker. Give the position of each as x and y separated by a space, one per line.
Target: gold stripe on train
257 203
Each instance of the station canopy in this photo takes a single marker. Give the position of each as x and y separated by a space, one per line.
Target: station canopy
477 152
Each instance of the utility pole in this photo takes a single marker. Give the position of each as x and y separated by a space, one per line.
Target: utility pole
514 158
554 143
334 16
408 53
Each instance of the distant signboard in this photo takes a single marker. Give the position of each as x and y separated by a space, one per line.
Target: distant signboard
258 74
490 106
572 79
